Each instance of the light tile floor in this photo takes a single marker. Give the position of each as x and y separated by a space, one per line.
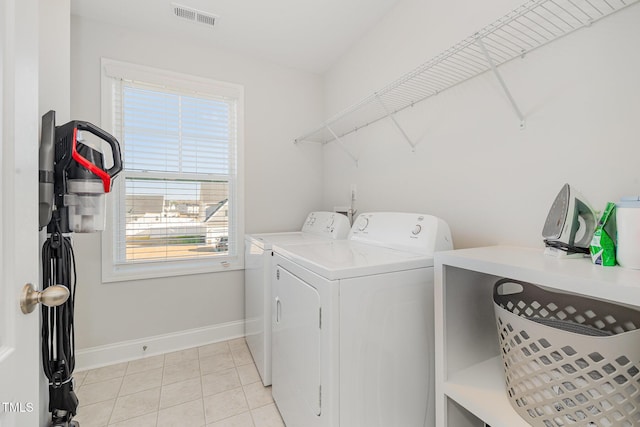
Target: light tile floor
216 385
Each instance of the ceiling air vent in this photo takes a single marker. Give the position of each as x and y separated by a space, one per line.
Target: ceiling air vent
206 19
194 15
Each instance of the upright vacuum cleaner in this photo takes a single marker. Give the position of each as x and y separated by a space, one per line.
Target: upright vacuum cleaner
73 182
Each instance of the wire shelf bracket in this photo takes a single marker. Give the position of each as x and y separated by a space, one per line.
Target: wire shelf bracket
395 122
506 90
342 145
533 24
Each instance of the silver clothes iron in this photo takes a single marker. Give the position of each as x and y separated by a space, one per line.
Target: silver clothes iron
570 225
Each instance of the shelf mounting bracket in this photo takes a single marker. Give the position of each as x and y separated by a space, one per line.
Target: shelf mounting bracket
501 81
341 144
395 122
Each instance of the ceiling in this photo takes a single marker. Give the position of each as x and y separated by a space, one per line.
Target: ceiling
309 35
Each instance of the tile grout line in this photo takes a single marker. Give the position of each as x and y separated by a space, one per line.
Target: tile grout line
238 356
204 410
253 421
140 391
164 364
113 408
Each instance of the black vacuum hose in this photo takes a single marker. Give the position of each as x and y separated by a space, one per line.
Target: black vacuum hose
58 337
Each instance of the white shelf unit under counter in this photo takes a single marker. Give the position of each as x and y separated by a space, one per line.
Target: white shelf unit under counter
470 388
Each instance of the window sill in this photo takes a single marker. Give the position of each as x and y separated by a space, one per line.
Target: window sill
152 270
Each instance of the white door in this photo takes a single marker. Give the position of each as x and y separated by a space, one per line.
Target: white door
19 336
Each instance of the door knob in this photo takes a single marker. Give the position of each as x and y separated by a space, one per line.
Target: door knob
52 296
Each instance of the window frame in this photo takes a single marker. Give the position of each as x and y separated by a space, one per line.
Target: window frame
112 270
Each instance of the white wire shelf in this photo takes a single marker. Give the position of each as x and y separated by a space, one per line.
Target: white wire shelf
533 24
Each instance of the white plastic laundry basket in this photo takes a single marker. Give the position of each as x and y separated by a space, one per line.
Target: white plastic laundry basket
568 360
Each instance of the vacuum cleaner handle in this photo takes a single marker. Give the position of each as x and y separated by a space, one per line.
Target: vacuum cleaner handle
109 139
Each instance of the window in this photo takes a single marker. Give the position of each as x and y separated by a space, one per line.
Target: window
177 204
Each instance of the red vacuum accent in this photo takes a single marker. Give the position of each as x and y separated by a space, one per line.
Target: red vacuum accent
103 175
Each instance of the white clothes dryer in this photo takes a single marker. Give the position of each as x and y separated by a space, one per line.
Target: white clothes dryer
353 325
319 226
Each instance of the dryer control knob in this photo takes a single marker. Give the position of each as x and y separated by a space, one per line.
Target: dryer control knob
363 224
416 230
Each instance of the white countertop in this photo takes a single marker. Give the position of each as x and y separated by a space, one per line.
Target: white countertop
580 276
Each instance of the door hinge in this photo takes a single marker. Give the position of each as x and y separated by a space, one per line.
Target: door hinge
320 396
278 274
320 318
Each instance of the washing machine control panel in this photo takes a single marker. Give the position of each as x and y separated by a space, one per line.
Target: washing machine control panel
311 219
403 231
329 224
362 224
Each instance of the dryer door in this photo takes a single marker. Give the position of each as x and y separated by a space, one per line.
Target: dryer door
296 349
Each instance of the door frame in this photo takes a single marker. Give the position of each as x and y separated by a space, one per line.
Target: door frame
20 369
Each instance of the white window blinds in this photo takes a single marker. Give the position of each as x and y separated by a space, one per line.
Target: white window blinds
174 133
177 197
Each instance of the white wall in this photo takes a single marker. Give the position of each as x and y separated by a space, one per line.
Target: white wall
282 181
492 182
54 56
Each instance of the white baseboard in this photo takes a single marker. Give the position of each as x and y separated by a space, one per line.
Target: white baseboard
95 357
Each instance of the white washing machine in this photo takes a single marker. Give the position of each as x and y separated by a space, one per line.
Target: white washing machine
353 325
319 226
